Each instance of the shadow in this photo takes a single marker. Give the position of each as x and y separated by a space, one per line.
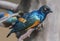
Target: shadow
33 35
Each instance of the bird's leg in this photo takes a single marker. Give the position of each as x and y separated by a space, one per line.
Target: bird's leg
27 34
40 27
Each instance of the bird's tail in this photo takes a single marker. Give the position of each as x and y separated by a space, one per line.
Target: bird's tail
12 31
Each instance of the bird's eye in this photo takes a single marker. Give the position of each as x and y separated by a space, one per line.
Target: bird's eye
45 8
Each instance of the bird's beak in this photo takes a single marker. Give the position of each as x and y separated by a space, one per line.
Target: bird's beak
51 11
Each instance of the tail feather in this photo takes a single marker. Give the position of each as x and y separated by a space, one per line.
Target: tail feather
12 31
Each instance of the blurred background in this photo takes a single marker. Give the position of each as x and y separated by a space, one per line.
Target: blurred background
51 31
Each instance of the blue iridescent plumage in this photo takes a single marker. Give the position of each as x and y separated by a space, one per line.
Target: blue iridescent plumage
1 14
31 18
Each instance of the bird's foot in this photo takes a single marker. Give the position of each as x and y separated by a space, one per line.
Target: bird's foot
39 28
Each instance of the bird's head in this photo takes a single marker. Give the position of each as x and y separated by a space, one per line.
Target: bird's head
45 9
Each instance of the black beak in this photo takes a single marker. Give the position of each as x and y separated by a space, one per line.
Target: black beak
51 11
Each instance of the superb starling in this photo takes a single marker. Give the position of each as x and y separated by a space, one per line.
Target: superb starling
31 20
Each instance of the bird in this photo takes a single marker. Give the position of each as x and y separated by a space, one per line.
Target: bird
30 20
10 20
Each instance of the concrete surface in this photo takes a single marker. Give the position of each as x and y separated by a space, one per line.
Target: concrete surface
51 26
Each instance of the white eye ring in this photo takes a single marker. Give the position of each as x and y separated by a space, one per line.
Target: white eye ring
45 9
